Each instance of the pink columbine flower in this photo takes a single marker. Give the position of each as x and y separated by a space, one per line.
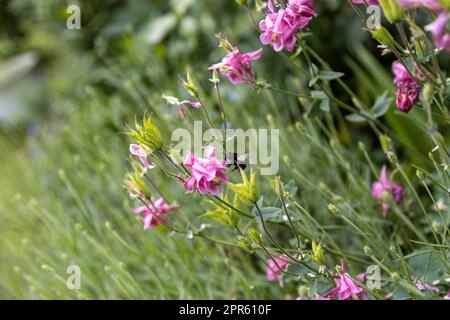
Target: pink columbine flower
447 297
430 4
273 273
407 88
279 27
207 174
237 66
382 186
346 288
441 38
422 286
138 151
192 104
155 213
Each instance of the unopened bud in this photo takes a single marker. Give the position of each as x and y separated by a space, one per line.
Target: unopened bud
392 157
333 209
392 10
420 174
367 250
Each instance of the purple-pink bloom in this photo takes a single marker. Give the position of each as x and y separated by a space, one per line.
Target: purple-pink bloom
447 297
279 27
138 151
274 272
422 286
237 66
382 186
407 88
155 212
346 288
206 173
441 38
430 4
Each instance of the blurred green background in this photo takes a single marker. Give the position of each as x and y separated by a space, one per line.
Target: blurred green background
65 98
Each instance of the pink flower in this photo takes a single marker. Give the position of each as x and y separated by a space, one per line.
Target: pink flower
346 288
430 4
382 186
137 150
425 287
441 38
206 173
237 66
369 2
447 297
407 88
155 213
274 273
192 104
279 27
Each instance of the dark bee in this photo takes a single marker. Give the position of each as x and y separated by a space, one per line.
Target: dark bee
236 161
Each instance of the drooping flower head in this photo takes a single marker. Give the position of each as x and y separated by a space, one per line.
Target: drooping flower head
207 174
346 288
383 186
408 89
430 4
422 286
154 213
274 272
441 38
139 151
279 27
237 66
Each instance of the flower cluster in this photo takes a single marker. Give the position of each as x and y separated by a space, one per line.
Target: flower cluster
237 66
207 174
408 89
155 212
384 188
346 288
279 27
275 268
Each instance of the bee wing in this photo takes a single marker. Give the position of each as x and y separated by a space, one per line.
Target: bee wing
242 158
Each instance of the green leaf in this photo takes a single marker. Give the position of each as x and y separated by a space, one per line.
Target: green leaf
318 95
330 75
314 109
354 117
381 105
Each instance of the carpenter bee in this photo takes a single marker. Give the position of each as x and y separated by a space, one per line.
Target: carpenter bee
236 161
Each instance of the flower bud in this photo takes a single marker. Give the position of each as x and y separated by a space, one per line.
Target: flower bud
392 10
436 226
367 250
420 174
362 146
254 236
334 210
318 254
428 92
383 36
392 157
